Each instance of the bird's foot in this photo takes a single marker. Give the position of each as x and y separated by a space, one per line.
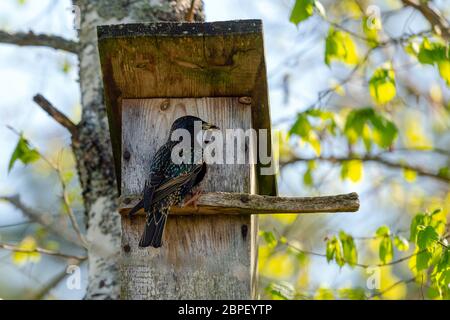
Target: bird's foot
193 200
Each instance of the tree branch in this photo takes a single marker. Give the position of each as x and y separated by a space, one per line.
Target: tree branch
190 13
367 158
360 265
15 248
40 40
40 218
392 287
45 290
243 203
434 17
57 115
73 220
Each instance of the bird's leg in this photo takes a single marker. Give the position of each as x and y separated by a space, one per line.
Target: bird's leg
193 200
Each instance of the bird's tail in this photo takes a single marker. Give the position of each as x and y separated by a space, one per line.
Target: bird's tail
154 229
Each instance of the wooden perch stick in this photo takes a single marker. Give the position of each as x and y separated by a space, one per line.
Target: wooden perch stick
243 203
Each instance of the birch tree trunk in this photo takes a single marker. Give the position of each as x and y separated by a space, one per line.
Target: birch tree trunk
93 150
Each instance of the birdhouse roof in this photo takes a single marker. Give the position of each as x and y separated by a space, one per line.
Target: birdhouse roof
184 60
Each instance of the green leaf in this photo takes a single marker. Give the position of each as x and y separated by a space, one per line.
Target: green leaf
386 251
301 127
334 250
415 223
301 11
324 294
422 260
66 67
444 262
444 70
401 243
331 249
280 291
269 238
426 237
384 130
352 293
436 53
24 153
409 175
349 249
371 126
339 46
308 178
444 172
352 170
371 25
432 52
383 231
382 85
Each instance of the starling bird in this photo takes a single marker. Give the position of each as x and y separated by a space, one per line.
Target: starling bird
169 182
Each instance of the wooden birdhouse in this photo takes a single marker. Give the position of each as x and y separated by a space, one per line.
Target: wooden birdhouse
153 74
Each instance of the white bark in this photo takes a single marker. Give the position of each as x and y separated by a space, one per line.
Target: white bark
93 152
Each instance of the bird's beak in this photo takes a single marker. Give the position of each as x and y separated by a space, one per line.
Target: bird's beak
209 126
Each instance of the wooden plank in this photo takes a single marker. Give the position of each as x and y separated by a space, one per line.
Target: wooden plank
216 203
201 258
157 60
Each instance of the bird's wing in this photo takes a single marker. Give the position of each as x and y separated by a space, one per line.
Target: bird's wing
173 184
157 177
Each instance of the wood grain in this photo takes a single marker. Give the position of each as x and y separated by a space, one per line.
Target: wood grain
216 203
201 257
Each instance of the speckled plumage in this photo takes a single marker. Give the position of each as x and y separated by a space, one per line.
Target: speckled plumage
169 184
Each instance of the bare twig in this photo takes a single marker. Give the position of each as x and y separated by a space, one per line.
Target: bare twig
368 158
40 40
70 212
15 248
64 197
190 13
45 290
360 265
434 17
424 150
40 218
327 92
56 114
391 287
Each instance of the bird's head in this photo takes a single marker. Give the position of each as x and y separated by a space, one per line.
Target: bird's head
188 123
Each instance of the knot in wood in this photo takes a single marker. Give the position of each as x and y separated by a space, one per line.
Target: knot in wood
244 231
245 100
127 155
164 105
245 198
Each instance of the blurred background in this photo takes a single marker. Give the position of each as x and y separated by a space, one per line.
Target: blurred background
359 95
